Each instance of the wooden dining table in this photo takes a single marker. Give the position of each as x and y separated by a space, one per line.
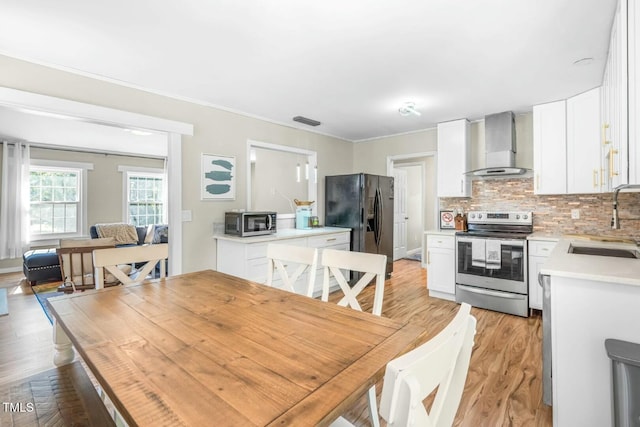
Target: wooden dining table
207 348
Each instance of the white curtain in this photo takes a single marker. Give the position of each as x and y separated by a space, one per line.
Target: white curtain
14 200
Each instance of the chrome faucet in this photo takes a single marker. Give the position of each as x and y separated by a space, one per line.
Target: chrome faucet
615 222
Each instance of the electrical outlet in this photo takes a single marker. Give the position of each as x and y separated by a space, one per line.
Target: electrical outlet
575 213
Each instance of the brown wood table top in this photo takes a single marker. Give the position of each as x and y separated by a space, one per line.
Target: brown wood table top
207 348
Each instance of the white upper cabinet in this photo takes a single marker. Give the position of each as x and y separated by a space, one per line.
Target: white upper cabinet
633 47
454 159
550 148
567 149
584 153
615 104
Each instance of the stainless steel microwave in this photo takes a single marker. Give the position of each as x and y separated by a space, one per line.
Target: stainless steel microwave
249 223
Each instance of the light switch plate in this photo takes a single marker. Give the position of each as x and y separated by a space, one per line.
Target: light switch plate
575 213
186 216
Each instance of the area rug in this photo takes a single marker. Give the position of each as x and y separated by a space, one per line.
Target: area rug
4 305
416 256
43 293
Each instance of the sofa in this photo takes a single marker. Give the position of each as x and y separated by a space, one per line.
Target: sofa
157 233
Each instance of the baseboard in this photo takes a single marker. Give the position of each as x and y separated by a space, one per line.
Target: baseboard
442 295
10 270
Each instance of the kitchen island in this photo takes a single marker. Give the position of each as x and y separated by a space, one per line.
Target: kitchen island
592 298
246 257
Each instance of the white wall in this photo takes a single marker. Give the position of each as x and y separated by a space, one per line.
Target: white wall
371 157
274 186
215 132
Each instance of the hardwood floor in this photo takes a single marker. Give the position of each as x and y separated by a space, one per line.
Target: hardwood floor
26 345
504 384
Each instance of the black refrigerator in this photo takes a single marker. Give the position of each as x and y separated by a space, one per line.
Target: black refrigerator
364 203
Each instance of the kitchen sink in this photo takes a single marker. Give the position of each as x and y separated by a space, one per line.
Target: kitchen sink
600 251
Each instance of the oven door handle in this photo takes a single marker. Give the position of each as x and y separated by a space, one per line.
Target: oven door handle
516 243
506 295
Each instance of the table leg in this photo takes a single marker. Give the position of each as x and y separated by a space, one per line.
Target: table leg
64 353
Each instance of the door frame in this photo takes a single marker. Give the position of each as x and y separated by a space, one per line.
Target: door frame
418 155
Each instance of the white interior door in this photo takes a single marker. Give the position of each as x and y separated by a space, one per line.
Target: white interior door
400 214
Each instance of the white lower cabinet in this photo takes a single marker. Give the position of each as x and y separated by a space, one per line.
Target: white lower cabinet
441 266
247 257
539 251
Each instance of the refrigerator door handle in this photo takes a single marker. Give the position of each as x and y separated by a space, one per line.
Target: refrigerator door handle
379 216
375 218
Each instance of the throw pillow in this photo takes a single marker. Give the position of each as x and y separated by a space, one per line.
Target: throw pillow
161 234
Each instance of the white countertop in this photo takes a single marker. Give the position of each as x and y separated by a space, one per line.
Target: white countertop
547 237
448 232
592 267
289 233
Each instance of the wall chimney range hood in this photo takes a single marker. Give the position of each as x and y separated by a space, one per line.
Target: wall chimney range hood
500 143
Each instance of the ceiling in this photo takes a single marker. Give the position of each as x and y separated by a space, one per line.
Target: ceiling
348 64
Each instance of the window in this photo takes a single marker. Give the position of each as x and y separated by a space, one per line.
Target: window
145 194
56 203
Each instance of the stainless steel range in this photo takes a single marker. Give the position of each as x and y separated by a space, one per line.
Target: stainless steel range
491 261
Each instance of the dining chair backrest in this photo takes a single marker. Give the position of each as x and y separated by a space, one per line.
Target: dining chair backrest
442 363
373 266
334 262
110 259
76 261
282 258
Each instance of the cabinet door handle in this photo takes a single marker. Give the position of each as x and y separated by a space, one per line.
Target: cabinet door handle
461 186
612 152
595 178
428 258
537 181
332 239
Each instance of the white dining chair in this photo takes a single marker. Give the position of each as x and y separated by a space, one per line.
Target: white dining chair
282 258
334 262
372 265
442 363
110 259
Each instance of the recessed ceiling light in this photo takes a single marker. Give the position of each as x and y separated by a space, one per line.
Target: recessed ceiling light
408 108
583 61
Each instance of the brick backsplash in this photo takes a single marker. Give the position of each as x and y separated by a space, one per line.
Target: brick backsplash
552 214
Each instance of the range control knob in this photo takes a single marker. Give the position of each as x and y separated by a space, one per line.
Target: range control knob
479 216
517 216
525 216
473 216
